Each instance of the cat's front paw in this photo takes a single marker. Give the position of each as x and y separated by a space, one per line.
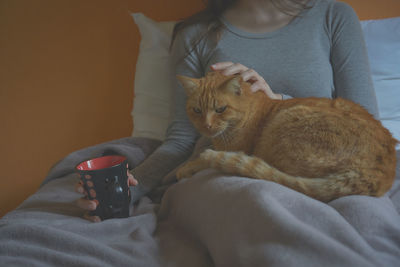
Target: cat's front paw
188 170
184 172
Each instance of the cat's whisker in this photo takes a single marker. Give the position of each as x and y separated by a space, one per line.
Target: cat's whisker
229 132
224 139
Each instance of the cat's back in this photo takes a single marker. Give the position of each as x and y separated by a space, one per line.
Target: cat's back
323 108
301 132
321 115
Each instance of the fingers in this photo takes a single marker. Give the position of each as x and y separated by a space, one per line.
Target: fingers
79 187
251 76
91 218
86 204
235 68
221 65
132 181
259 85
229 68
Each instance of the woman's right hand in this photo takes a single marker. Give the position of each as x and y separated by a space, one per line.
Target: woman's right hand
249 75
89 205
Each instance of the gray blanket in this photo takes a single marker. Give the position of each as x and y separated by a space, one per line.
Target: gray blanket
208 220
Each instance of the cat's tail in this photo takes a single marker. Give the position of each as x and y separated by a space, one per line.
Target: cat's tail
324 188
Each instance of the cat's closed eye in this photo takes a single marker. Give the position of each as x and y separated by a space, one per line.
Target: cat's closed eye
221 109
197 110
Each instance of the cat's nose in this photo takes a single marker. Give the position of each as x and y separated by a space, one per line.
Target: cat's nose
208 126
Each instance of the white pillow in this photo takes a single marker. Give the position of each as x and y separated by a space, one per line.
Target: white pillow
382 38
153 84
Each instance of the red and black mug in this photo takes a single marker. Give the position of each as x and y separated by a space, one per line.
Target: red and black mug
106 182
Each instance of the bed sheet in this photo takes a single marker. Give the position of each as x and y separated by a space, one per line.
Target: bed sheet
208 220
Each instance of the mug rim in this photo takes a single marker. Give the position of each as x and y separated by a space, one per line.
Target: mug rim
84 166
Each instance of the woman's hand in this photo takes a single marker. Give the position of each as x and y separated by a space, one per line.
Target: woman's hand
248 75
90 205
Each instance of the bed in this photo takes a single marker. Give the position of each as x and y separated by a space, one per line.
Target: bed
212 219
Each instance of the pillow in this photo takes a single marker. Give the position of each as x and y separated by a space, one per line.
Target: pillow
382 38
151 111
153 84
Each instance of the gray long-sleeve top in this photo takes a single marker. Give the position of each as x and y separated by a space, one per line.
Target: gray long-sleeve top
319 53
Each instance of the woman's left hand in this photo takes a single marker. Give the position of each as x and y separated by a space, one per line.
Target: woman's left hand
249 75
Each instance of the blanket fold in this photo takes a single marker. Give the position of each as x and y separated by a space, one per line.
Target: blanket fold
211 219
247 222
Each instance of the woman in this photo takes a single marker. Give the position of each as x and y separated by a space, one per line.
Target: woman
301 48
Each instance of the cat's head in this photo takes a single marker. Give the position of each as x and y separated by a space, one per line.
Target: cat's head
215 103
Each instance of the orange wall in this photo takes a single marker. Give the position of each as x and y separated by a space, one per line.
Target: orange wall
375 9
66 81
66 78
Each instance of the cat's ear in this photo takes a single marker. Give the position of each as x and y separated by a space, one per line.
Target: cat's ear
189 84
233 85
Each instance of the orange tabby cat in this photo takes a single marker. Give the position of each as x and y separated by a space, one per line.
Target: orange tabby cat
320 147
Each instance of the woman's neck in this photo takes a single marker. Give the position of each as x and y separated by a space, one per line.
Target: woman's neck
257 16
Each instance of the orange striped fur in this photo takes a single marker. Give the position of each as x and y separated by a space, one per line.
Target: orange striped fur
320 147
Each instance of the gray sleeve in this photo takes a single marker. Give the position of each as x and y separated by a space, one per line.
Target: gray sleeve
349 58
181 136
